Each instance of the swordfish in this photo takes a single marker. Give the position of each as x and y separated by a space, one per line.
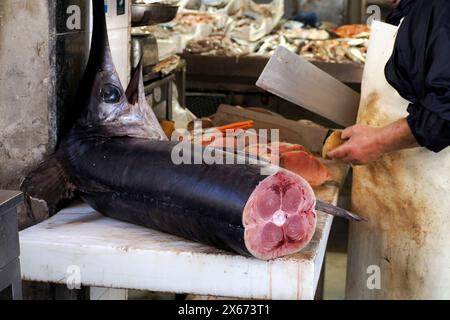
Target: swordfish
116 157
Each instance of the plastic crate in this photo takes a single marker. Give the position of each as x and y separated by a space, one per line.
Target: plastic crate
204 104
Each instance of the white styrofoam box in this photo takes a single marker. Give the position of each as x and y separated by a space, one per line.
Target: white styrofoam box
177 43
168 47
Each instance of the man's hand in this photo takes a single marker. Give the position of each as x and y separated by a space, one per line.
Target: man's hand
366 144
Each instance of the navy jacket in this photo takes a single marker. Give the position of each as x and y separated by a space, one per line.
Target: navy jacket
419 68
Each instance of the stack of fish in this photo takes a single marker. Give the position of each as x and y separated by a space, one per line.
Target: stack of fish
218 45
241 28
311 43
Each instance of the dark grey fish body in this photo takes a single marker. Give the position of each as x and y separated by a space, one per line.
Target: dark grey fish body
134 180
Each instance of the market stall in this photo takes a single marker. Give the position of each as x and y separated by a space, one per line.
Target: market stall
224 149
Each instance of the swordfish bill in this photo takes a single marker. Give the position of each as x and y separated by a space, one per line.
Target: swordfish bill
116 157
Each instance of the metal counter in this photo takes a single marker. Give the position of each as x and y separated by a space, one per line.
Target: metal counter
239 74
9 243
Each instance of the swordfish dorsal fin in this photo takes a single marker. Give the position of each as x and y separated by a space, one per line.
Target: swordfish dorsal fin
104 106
136 97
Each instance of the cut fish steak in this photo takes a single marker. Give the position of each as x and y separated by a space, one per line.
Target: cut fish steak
294 158
307 166
280 217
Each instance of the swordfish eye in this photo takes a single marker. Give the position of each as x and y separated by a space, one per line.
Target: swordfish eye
110 93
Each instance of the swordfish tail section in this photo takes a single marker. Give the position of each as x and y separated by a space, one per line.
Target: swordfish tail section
231 207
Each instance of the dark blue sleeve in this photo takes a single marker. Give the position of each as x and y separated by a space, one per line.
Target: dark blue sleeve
419 69
429 129
429 117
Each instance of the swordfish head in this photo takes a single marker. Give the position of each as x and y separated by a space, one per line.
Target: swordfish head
104 106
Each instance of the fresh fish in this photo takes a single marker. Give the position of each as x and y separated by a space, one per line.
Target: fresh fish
252 15
116 157
356 55
294 158
213 3
292 24
307 166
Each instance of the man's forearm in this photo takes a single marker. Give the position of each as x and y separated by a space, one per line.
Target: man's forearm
398 136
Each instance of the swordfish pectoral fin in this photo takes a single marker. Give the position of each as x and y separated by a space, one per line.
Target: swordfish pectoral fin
48 182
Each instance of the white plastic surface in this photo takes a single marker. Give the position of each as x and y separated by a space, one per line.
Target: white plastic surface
112 254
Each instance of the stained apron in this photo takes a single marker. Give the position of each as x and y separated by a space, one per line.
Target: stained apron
403 251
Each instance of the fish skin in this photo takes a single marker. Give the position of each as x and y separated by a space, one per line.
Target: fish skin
203 203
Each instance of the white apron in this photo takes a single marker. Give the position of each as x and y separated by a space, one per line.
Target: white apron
406 197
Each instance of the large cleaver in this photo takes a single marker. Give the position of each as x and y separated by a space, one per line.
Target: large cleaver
297 80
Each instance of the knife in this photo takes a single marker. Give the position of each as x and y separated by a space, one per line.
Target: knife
297 80
337 212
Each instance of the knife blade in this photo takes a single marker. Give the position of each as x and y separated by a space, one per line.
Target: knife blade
297 80
337 212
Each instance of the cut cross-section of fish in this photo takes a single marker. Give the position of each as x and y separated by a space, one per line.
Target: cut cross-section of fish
279 217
